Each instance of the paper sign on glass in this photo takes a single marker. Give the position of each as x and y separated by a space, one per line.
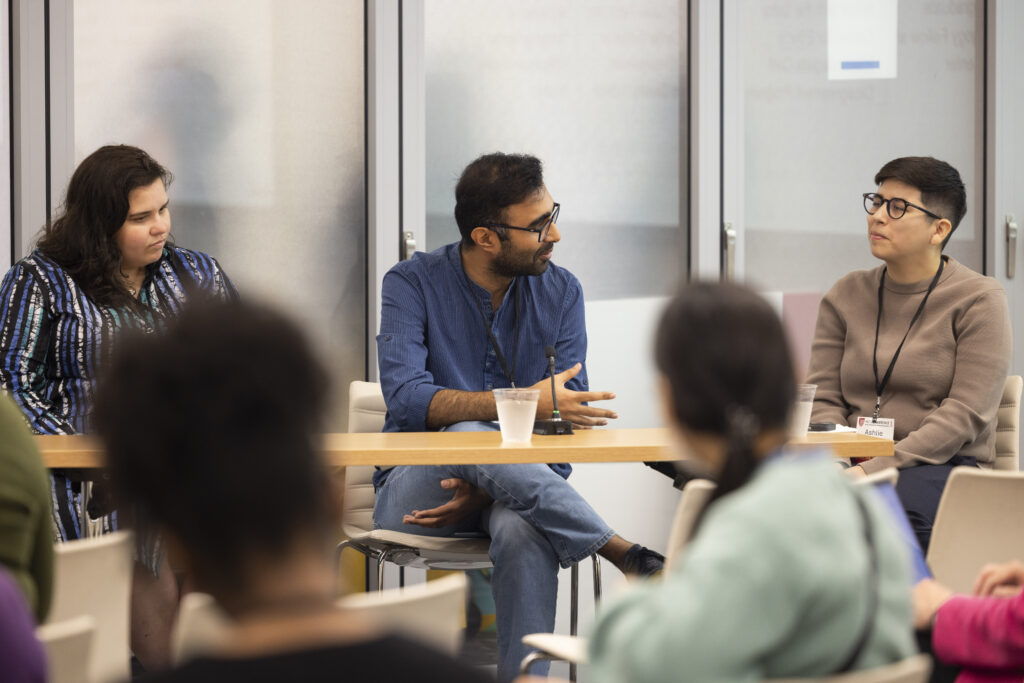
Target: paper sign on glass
862 39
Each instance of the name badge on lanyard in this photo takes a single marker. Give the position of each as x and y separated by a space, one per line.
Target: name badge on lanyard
882 427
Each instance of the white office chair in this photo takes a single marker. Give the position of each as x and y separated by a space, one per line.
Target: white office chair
1008 426
976 523
93 577
431 613
366 414
68 646
695 497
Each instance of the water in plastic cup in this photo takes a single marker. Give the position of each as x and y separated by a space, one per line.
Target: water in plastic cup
801 417
517 410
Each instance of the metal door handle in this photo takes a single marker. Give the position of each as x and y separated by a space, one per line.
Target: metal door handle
1011 245
730 251
408 245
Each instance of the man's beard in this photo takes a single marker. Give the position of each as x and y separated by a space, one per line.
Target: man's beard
507 264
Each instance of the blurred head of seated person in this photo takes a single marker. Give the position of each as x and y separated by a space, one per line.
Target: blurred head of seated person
792 572
919 346
212 431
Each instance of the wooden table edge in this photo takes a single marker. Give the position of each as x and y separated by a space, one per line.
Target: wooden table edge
597 446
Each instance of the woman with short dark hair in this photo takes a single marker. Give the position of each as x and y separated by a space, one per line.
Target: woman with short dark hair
919 347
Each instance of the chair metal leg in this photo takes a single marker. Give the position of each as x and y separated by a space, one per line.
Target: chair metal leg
337 554
365 552
597 579
528 660
401 577
574 606
381 560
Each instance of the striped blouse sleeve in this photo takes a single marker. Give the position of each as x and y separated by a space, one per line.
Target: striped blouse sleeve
24 336
223 287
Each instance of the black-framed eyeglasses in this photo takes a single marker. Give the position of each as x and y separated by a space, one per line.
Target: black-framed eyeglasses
541 230
895 206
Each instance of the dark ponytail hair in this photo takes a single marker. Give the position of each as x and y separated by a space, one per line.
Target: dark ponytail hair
725 355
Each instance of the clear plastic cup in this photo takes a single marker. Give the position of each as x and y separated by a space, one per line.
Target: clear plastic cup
800 420
517 410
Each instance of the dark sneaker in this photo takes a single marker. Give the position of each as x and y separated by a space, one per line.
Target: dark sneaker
642 561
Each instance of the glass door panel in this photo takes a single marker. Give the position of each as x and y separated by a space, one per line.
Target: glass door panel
808 147
800 149
256 106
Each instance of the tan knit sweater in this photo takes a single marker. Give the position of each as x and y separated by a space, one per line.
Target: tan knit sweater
945 389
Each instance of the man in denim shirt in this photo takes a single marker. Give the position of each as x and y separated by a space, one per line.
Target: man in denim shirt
455 324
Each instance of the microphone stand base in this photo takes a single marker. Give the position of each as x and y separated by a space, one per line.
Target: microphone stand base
552 427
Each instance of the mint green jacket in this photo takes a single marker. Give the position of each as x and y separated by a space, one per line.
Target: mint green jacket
26 528
774 584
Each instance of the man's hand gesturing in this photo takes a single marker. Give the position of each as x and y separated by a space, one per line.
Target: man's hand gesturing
571 404
466 500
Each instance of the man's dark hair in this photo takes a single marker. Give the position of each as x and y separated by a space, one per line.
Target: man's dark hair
81 239
490 185
211 430
724 353
942 189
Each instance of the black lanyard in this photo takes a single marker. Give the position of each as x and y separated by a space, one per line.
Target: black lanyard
880 386
487 328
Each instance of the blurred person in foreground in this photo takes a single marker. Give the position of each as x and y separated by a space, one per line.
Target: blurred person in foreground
222 455
26 533
792 571
22 658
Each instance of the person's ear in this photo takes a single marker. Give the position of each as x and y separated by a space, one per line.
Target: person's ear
940 230
486 240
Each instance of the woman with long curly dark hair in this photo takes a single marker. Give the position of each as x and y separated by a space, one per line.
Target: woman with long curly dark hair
107 263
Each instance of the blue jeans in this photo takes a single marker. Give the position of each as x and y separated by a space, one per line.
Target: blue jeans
537 522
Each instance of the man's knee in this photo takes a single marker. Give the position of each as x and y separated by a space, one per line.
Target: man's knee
513 536
524 481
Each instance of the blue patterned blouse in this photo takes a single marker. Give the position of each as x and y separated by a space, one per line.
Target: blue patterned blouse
53 339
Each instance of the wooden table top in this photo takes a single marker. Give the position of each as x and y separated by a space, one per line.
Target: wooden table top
458 448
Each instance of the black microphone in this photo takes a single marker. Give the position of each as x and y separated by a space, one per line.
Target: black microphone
556 425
